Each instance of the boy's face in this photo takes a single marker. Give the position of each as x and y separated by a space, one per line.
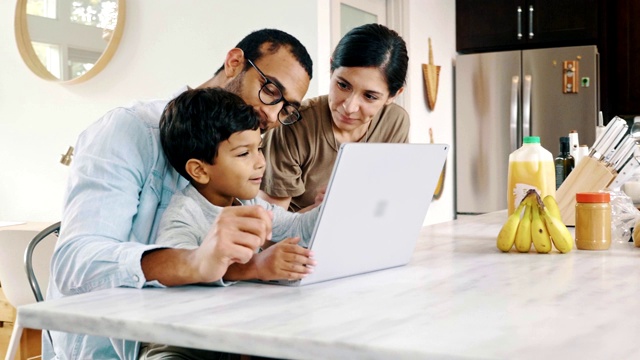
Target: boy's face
237 170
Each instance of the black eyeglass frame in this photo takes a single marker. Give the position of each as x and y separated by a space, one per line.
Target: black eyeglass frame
288 111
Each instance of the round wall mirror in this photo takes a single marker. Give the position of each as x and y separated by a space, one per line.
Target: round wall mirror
68 41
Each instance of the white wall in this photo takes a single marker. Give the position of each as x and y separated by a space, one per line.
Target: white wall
168 44
433 19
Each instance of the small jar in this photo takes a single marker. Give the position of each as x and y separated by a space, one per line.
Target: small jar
593 220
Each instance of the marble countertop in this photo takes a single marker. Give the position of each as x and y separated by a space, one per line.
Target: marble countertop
459 297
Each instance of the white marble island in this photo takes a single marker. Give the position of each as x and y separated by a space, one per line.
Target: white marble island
459 297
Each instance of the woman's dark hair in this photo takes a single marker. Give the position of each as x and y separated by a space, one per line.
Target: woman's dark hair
374 45
193 125
251 44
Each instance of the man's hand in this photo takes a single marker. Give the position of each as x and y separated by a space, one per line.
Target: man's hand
284 260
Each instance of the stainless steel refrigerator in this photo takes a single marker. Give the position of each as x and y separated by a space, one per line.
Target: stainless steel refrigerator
500 97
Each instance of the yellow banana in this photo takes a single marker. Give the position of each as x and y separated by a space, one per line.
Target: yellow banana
551 204
507 234
523 234
539 234
560 235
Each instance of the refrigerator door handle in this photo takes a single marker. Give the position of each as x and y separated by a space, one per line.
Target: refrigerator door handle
526 106
530 21
519 10
513 122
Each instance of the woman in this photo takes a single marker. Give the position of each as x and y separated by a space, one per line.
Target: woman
368 71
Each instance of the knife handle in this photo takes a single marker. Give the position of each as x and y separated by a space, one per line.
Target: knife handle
616 127
597 145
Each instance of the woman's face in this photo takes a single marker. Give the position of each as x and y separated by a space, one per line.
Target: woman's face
356 95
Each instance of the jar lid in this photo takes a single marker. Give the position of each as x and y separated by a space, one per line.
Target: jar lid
593 197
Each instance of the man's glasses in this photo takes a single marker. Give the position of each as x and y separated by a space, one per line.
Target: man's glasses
270 94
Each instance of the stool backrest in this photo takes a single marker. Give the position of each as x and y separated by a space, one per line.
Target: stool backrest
14 241
39 249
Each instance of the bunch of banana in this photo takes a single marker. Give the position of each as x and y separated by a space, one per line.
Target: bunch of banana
540 225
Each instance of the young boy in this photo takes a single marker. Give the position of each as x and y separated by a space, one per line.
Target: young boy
212 138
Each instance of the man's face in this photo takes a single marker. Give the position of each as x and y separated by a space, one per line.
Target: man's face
237 169
282 69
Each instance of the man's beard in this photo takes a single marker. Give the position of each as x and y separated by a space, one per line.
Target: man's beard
235 86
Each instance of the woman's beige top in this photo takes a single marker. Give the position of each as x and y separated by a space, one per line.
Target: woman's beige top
300 157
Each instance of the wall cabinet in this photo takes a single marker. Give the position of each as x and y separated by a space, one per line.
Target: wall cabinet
524 24
612 25
620 59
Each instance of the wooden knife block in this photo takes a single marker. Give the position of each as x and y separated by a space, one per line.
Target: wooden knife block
590 175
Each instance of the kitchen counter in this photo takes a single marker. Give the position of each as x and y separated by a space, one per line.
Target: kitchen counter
459 297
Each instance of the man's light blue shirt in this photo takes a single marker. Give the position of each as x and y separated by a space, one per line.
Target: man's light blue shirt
119 185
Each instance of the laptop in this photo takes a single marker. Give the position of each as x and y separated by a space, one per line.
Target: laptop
375 205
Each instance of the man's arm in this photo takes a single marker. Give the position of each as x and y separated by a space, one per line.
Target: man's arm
117 189
235 235
108 213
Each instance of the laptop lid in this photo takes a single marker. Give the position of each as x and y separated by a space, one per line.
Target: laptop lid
375 205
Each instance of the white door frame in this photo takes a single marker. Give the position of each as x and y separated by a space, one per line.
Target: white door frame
396 18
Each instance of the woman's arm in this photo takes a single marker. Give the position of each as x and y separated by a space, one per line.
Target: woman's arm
283 202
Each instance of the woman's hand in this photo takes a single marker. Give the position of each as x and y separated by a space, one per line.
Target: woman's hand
320 196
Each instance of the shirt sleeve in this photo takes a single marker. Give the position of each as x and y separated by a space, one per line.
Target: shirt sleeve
283 173
181 224
397 123
184 225
97 248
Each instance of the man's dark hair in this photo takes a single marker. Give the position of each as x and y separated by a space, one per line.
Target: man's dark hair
251 44
194 124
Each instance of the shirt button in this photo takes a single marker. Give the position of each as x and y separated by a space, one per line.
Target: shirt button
136 278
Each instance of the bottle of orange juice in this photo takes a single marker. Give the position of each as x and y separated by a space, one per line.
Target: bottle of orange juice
530 167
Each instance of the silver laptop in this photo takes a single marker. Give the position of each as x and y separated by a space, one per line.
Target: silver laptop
375 205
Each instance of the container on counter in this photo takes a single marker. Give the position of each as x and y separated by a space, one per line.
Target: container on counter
564 162
583 152
593 220
574 143
530 167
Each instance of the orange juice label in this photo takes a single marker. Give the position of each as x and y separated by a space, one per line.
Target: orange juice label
525 175
519 191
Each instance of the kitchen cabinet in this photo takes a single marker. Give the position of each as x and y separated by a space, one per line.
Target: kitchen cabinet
612 25
524 24
620 59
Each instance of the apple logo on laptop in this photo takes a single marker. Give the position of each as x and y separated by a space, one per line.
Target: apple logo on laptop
380 209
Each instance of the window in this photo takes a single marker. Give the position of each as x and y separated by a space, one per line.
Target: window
69 36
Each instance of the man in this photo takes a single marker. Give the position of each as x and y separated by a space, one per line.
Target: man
120 183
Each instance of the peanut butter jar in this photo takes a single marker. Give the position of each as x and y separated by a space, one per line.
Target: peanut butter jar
593 220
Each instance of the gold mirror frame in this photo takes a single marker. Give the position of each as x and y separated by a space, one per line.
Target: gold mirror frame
30 58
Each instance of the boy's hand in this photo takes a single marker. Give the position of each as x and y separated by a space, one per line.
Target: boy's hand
284 260
232 240
234 237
